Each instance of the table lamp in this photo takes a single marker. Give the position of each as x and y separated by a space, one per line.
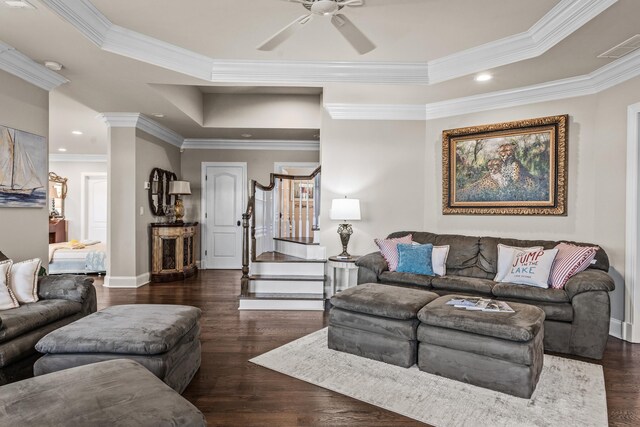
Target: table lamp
345 210
179 188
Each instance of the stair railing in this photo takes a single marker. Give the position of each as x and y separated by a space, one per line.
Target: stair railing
249 217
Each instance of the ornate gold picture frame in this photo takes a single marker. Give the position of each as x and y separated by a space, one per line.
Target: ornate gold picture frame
513 168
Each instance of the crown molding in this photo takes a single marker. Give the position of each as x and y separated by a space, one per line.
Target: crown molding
78 158
143 123
601 79
20 65
134 45
561 21
318 72
243 144
343 111
565 18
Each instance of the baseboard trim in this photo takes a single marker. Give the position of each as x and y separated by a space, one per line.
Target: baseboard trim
615 328
130 282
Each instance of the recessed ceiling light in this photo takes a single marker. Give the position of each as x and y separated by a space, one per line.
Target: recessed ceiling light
246 135
483 77
62 149
19 4
76 132
53 65
158 115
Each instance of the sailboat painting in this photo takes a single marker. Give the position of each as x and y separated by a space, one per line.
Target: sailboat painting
23 169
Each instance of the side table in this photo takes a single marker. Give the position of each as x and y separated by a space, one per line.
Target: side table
348 267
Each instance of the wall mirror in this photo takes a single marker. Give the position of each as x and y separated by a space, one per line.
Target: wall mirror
159 197
57 194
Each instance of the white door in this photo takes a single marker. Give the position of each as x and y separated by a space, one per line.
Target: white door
94 207
224 190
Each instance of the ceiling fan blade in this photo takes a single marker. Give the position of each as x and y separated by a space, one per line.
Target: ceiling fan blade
299 1
351 3
275 40
358 40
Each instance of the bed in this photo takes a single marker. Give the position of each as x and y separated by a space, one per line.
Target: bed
92 258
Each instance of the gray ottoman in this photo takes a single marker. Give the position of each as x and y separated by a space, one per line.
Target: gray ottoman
499 351
114 393
162 338
377 322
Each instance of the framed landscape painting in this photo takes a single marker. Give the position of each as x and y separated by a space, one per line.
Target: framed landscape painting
23 169
513 168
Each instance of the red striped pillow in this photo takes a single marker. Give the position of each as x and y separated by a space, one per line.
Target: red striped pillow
389 250
571 259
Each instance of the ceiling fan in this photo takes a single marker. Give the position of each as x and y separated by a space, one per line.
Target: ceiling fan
349 31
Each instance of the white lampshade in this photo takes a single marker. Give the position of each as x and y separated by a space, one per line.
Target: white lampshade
345 209
179 187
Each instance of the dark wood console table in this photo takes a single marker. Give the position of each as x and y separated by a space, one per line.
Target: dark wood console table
173 248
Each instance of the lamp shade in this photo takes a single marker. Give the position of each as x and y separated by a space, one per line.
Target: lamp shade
179 187
345 209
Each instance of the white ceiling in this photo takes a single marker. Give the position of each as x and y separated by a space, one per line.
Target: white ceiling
404 31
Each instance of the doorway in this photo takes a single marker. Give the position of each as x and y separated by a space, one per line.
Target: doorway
224 199
93 218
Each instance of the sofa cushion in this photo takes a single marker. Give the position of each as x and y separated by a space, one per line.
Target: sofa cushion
392 277
124 329
114 393
415 258
382 300
488 256
571 260
463 250
512 290
463 284
522 325
23 346
27 317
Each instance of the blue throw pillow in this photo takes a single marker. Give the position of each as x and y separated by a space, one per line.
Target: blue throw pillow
415 259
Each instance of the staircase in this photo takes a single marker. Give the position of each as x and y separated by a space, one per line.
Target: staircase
291 274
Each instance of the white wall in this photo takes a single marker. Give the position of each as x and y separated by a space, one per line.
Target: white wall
73 203
596 178
382 164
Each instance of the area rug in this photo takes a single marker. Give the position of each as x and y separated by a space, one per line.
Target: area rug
569 393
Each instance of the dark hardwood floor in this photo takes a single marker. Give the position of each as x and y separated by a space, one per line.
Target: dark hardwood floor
230 391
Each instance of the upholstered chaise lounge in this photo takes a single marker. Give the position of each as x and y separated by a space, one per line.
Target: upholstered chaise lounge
577 317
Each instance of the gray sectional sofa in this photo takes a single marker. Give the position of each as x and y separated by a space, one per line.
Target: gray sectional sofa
577 317
63 299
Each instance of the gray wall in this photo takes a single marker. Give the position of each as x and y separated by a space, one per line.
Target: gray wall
150 153
24 231
73 203
260 164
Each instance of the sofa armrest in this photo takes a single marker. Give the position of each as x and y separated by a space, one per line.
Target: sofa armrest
589 281
374 262
69 287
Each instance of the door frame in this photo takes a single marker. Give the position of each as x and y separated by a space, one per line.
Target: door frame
278 166
631 325
203 201
84 178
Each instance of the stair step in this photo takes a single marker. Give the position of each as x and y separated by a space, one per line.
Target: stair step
286 296
279 257
268 284
279 301
298 240
309 269
272 277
